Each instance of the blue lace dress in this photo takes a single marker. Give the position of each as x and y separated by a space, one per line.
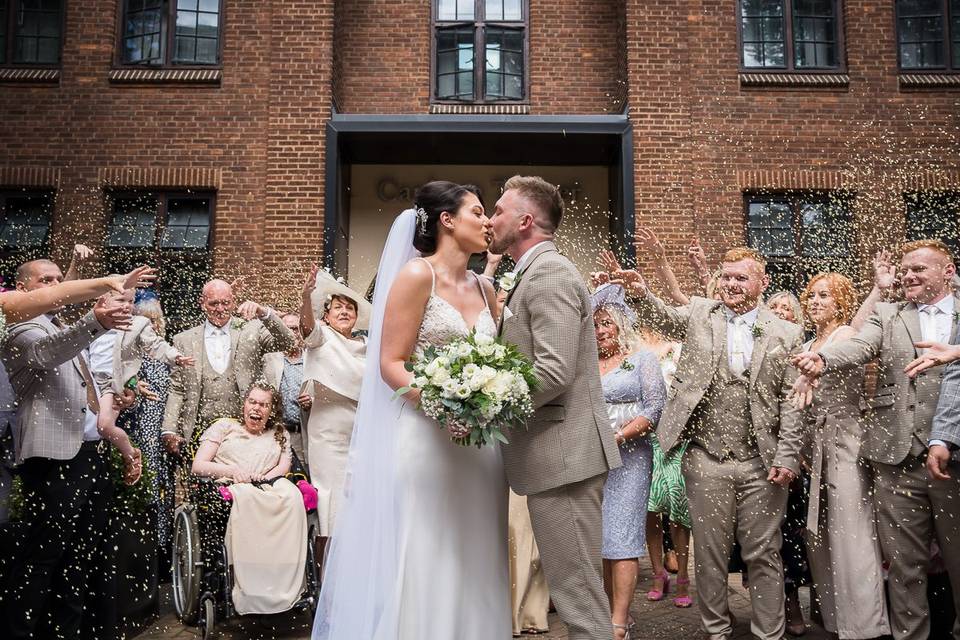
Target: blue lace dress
634 389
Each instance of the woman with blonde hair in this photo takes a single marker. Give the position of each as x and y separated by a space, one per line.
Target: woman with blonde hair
841 533
786 307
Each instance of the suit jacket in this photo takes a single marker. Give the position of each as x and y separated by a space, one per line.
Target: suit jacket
901 406
568 438
51 395
131 345
701 326
249 343
273 369
946 421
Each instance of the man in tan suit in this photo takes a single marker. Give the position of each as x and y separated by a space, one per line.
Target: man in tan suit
561 459
911 509
228 351
284 372
729 397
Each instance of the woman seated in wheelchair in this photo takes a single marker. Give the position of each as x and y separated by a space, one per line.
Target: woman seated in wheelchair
266 533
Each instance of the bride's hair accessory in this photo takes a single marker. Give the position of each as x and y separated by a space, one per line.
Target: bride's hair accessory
422 220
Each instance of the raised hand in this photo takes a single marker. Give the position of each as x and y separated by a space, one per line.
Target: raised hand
310 281
608 261
250 310
140 277
81 253
631 281
696 257
809 363
934 354
112 314
884 271
646 241
598 278
801 394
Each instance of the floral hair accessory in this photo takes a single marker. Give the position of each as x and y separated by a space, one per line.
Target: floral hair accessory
422 220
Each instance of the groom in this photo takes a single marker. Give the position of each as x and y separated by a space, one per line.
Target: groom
560 461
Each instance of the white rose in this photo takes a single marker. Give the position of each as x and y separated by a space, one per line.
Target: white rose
464 350
499 352
470 371
486 350
483 339
432 367
440 376
421 381
508 281
487 373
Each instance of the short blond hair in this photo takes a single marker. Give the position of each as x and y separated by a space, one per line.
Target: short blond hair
842 290
744 253
927 243
541 193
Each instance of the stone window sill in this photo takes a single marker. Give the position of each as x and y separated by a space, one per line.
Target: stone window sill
20 75
165 76
929 80
498 109
811 80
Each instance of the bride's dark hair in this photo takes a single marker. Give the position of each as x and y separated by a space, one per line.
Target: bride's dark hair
433 199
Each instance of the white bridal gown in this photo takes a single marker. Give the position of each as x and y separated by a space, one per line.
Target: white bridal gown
453 576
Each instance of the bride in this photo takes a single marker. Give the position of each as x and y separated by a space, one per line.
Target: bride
420 550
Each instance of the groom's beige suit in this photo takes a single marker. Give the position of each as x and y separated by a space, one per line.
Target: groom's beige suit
560 461
739 425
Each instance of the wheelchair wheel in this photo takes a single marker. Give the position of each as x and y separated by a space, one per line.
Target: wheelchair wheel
187 564
208 618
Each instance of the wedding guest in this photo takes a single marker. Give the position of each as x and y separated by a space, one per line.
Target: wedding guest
284 372
943 462
729 398
911 511
785 306
63 464
841 523
334 361
634 393
668 494
228 350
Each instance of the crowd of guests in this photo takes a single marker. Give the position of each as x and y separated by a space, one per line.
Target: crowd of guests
799 441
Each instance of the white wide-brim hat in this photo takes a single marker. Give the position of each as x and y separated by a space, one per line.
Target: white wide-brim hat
328 286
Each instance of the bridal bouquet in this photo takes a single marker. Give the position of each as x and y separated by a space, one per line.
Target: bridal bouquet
476 387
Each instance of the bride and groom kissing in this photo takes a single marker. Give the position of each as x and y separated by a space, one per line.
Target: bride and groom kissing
420 547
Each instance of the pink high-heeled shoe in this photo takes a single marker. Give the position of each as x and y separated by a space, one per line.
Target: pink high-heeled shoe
654 595
683 602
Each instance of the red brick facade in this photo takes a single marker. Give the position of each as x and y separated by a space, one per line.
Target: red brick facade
701 136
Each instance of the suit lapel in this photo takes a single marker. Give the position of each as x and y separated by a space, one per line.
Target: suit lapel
718 321
955 321
759 345
234 341
542 249
910 316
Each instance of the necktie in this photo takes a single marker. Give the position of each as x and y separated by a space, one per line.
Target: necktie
738 356
931 332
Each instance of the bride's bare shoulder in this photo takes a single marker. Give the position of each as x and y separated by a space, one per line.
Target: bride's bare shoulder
414 279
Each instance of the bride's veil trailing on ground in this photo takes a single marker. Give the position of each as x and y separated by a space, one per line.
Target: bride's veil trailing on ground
362 564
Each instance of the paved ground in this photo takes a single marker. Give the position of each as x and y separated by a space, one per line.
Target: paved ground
660 620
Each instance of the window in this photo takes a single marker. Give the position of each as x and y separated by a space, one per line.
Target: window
928 35
170 231
934 215
30 32
800 234
791 35
170 32
24 229
480 50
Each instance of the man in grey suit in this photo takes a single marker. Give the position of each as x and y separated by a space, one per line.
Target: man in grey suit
560 461
228 354
56 585
911 510
729 398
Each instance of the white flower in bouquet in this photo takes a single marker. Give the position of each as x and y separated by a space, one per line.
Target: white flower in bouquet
449 388
483 340
464 391
464 350
439 377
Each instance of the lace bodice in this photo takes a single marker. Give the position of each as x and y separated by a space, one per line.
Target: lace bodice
442 322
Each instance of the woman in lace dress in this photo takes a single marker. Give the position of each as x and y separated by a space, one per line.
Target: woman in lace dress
420 547
635 394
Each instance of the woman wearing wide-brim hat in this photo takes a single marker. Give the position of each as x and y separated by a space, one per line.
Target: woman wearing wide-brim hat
333 362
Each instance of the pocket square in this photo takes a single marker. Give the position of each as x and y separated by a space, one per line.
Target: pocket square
507 314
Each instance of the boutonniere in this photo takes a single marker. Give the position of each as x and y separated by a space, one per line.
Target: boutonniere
956 317
756 330
508 281
237 323
626 365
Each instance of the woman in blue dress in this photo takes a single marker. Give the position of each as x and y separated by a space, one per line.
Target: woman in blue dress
635 394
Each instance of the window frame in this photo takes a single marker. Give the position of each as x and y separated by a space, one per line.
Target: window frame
947 50
789 45
162 196
10 34
924 198
795 199
479 25
169 41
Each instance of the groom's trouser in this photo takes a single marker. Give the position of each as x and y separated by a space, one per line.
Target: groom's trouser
567 525
732 498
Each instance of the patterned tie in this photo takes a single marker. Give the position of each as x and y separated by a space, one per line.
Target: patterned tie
933 331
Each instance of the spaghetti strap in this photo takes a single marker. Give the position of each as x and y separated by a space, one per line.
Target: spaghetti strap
483 291
433 276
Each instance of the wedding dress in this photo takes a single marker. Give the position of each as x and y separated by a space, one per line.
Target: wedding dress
421 551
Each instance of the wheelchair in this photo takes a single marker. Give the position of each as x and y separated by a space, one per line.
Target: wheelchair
202 574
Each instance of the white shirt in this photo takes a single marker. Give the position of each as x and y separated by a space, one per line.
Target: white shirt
525 258
216 340
99 358
936 320
740 338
